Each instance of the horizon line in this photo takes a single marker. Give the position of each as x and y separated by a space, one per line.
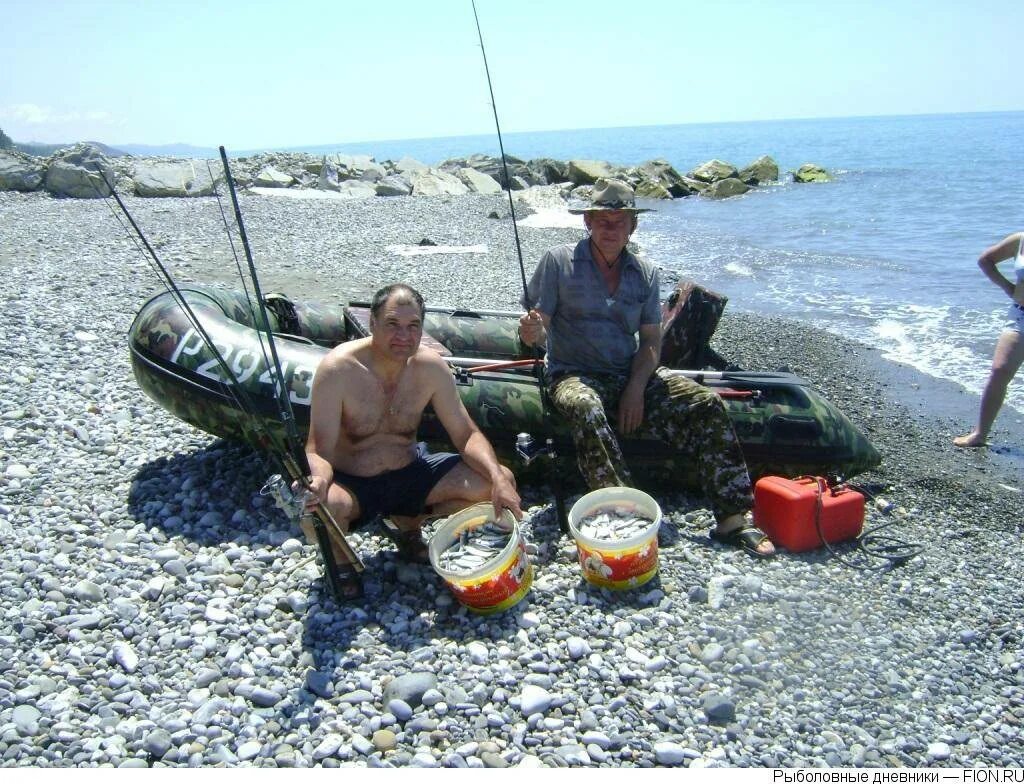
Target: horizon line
299 147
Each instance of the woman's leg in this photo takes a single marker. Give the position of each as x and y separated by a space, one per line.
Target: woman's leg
1006 361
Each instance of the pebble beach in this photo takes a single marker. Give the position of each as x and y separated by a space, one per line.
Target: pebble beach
160 612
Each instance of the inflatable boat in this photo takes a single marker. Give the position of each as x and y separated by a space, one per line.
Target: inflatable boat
785 426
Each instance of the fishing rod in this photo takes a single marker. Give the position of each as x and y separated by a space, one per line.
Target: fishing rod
235 390
504 162
524 443
294 457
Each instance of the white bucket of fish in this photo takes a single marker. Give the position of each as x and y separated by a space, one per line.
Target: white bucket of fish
482 560
616 533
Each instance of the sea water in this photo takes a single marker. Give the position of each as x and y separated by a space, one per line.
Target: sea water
885 254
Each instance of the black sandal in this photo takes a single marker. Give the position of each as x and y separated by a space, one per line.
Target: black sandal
410 544
745 537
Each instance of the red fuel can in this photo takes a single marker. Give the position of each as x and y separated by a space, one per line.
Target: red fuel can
785 510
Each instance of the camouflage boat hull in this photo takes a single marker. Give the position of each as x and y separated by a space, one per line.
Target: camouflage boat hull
784 425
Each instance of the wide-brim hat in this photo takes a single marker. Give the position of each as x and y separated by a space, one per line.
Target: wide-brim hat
610 194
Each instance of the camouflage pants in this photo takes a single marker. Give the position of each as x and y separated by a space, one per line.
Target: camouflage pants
688 417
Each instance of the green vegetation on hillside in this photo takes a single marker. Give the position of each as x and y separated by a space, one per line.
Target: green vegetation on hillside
42 150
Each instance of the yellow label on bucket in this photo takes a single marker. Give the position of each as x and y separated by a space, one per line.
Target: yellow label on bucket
499 588
619 569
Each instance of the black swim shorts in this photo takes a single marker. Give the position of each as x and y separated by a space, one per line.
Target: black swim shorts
403 491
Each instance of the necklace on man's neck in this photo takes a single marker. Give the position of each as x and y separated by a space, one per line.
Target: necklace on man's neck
604 259
389 409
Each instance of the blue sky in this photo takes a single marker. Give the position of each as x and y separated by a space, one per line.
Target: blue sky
279 74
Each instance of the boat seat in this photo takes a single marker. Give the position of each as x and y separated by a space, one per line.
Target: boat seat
360 320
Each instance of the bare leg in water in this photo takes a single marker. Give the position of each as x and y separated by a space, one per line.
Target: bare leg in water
1006 361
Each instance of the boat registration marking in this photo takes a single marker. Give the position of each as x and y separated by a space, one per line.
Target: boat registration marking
243 363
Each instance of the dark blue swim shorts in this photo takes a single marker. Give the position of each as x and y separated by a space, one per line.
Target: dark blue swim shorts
403 491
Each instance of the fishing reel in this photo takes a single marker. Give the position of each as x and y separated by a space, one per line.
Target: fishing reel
529 449
287 500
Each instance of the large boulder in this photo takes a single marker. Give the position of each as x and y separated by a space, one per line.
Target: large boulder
519 174
20 172
409 165
356 167
478 182
549 170
542 197
713 170
661 171
397 184
75 172
270 177
328 179
435 182
725 189
589 172
763 170
373 172
357 189
243 178
695 186
170 179
651 189
811 172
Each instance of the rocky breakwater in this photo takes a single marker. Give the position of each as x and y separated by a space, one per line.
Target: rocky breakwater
75 172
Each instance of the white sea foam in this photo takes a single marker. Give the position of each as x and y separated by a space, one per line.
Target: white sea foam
739 269
923 338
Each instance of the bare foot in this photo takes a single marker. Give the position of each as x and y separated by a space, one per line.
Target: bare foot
971 440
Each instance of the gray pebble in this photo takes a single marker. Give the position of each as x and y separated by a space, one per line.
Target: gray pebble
410 688
248 750
158 743
88 591
26 719
400 709
534 699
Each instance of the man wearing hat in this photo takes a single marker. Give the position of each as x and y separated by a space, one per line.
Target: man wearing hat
595 306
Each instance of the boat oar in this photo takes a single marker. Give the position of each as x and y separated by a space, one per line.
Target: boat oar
514 363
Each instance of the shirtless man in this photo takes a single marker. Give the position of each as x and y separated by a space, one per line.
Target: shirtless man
368 399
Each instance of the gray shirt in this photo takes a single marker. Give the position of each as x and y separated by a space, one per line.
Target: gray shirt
590 330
